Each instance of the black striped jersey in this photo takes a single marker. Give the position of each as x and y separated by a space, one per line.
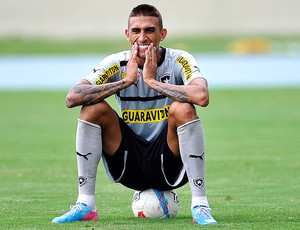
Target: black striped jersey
143 109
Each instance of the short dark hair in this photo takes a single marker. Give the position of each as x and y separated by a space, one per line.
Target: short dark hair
146 10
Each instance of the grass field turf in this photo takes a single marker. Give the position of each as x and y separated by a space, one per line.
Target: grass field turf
253 164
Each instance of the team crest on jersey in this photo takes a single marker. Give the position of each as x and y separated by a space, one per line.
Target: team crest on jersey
165 78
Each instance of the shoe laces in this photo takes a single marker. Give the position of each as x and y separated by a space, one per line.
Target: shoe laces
75 207
205 211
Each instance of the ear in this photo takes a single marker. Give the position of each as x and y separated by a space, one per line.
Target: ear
127 34
164 33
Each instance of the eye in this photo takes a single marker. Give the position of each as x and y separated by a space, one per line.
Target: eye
150 30
135 30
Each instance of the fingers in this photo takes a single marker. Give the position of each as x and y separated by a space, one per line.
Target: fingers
151 54
133 53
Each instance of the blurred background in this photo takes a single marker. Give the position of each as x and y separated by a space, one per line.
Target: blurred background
249 51
96 18
237 43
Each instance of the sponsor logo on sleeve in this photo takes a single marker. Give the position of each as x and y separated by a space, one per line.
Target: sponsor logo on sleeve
112 70
186 66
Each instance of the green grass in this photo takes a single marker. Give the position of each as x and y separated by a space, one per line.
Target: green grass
206 44
253 164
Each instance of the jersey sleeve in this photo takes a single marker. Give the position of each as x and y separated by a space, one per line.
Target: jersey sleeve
188 68
108 70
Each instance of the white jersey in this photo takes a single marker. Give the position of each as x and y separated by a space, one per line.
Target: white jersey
143 109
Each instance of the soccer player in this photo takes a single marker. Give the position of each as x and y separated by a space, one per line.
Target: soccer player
157 142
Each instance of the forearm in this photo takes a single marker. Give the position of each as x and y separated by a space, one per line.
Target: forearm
195 94
173 91
86 94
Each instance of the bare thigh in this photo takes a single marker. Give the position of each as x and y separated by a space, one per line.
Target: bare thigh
104 116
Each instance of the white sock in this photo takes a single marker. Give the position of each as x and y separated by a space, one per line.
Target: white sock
192 152
199 201
89 200
89 150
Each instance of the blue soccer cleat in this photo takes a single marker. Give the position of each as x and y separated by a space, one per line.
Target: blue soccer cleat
78 212
201 215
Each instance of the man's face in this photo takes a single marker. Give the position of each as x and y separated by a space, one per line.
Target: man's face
144 30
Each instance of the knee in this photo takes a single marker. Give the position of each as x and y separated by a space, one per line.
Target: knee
95 113
182 112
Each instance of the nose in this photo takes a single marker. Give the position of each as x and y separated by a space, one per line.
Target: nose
142 37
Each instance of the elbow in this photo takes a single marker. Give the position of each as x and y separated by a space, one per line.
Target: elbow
204 102
76 93
70 101
69 105
203 99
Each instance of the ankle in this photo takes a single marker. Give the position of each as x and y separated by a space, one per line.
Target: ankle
199 201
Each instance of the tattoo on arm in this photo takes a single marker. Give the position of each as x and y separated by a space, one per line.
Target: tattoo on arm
92 94
173 92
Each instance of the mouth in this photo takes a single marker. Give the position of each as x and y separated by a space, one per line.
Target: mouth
143 46
142 50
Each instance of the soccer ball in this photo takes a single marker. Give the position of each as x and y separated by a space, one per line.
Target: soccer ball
152 203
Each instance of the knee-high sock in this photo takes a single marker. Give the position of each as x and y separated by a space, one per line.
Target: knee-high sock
88 150
192 151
